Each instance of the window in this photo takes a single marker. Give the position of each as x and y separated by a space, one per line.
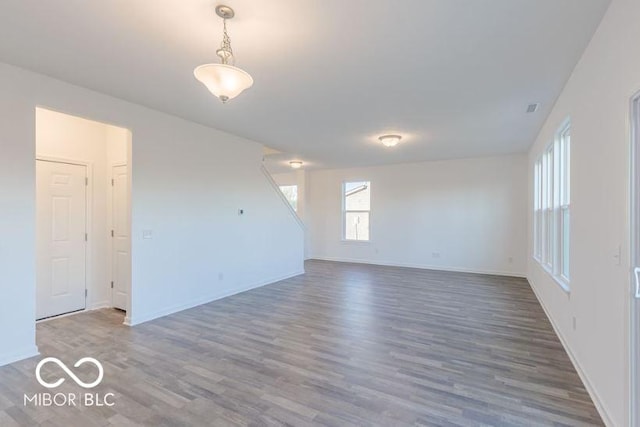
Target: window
547 208
356 205
551 205
291 194
563 204
537 210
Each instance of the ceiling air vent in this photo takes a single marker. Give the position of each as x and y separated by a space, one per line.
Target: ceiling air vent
532 108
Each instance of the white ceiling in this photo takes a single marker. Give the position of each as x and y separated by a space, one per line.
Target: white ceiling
453 76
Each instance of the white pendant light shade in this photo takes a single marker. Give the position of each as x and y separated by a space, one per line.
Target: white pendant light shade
390 140
223 80
295 164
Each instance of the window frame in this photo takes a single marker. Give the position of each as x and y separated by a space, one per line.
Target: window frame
552 207
563 141
547 207
537 210
343 196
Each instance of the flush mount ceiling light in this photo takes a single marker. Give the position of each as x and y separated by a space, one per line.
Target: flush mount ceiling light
224 80
296 164
390 140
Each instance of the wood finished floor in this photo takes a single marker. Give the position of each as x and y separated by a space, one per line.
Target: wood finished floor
342 345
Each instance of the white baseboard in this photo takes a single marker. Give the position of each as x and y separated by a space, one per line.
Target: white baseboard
597 401
424 266
14 356
96 306
138 319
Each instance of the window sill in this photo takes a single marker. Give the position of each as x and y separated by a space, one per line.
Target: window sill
563 285
357 242
559 281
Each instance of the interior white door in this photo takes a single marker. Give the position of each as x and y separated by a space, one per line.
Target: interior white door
635 262
61 224
121 269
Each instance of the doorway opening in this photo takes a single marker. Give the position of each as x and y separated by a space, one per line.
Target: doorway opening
83 215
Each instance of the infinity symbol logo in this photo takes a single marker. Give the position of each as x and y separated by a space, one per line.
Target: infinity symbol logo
69 373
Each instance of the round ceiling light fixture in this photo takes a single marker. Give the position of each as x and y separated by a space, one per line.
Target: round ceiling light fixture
296 164
390 140
224 80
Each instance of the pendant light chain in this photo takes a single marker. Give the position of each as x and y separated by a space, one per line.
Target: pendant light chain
225 51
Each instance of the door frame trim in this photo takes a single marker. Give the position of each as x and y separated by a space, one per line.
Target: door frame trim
88 261
634 309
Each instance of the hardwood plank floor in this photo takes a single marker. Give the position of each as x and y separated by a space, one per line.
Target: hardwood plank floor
342 345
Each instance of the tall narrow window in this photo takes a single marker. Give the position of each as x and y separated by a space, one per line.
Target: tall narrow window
552 201
537 210
356 202
563 148
291 194
547 208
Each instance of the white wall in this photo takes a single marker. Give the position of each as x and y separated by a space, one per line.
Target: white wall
17 220
471 212
117 139
188 183
597 99
61 136
287 178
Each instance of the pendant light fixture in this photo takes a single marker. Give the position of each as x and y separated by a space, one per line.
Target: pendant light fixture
295 164
390 140
224 80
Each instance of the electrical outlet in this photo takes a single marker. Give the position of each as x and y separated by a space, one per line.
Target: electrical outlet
220 276
435 254
510 259
574 323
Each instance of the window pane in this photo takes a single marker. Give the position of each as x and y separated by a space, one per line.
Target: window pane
538 233
291 194
548 237
565 243
536 186
565 168
550 184
356 225
567 161
357 196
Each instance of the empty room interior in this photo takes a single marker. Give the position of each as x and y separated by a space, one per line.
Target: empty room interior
304 213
